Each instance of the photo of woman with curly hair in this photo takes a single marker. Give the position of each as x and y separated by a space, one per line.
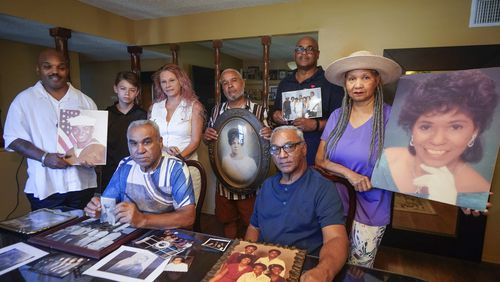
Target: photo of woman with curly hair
445 117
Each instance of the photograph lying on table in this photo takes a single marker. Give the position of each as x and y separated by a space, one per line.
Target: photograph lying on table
277 263
164 243
14 256
36 221
216 243
81 138
179 264
58 264
129 264
88 237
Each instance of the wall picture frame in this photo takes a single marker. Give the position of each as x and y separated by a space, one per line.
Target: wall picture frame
242 163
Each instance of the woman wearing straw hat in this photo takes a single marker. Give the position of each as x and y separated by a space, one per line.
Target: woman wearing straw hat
350 145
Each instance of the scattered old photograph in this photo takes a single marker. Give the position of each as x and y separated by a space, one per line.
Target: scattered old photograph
179 263
129 264
14 256
58 264
165 243
216 243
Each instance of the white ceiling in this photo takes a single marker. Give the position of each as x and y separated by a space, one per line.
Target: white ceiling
95 48
152 9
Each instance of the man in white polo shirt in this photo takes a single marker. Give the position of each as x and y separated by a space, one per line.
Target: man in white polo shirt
31 130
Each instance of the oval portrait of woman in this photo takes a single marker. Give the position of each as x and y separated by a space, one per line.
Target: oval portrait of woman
239 157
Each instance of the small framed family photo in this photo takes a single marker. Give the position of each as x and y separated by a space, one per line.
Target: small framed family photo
129 264
82 136
305 103
247 259
217 244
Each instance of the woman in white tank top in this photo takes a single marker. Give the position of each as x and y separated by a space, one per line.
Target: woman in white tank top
179 115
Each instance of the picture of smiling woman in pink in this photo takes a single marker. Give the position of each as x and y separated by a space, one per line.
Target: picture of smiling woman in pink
445 117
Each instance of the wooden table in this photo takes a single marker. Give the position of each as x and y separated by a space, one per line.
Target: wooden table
205 258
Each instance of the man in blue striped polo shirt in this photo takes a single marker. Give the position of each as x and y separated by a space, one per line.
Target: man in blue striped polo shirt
153 190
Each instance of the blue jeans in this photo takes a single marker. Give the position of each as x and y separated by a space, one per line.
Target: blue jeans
75 199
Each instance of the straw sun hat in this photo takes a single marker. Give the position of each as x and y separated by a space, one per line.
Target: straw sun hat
389 70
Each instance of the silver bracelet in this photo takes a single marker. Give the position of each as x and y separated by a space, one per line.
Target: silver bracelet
42 160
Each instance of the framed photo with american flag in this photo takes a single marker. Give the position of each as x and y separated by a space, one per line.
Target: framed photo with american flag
82 136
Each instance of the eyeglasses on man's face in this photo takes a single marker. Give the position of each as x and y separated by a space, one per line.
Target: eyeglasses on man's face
288 148
308 49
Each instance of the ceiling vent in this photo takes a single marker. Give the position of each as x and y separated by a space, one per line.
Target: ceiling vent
485 13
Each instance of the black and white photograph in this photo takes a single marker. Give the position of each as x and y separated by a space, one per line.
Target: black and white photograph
165 243
36 221
81 138
129 264
108 206
305 103
216 243
14 256
58 264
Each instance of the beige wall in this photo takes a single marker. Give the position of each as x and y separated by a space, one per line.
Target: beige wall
343 26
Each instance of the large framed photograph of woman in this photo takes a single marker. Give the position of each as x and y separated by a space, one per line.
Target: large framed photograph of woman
442 137
239 157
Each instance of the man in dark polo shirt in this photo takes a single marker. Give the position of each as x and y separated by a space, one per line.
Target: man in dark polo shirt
299 207
309 75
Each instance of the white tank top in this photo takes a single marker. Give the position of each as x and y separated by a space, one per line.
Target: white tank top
177 132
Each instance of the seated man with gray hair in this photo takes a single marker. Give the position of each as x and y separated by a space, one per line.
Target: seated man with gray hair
154 190
299 207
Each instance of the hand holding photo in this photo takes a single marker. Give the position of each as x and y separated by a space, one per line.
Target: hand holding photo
108 206
305 103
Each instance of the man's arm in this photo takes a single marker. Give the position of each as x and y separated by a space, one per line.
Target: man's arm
252 233
28 150
332 256
128 213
